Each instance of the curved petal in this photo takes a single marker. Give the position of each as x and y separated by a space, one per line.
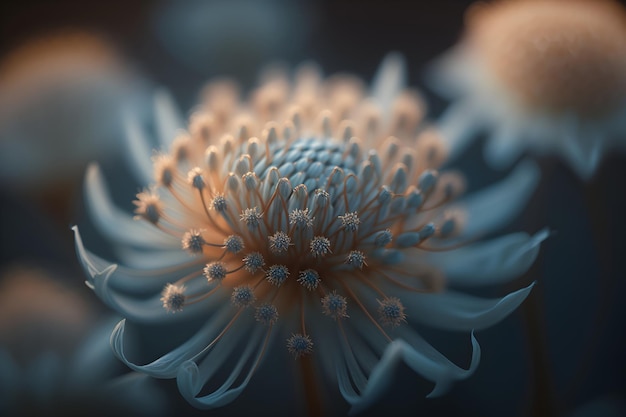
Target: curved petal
423 359
139 149
105 278
130 281
389 80
583 148
496 205
457 311
491 262
167 365
450 74
191 378
167 118
458 127
152 259
503 147
115 223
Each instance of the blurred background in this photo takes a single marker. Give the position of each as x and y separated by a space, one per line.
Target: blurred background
68 69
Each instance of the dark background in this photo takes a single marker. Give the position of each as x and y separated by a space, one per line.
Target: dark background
561 350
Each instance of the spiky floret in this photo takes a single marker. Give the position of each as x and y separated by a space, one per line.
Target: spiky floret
215 271
391 311
300 344
243 296
335 305
309 278
193 242
149 206
173 298
266 314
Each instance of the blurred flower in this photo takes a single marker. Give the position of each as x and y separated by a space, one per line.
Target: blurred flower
37 312
55 358
539 75
232 37
82 384
60 100
313 216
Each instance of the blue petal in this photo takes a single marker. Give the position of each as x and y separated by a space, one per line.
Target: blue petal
152 259
583 149
490 262
457 311
458 127
167 365
423 359
119 288
192 378
140 150
389 81
168 120
495 206
130 281
503 147
117 224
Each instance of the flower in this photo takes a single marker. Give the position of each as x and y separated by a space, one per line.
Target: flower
349 237
544 76
55 356
60 100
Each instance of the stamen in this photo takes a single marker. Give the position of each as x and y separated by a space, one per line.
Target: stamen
266 314
320 246
234 244
350 221
215 271
173 298
253 262
309 278
277 274
300 345
194 177
279 242
243 296
335 305
391 311
251 217
356 259
193 242
301 219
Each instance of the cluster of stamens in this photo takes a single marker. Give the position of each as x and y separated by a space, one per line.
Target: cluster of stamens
291 214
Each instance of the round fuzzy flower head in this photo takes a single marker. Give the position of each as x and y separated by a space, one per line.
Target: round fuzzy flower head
314 216
543 75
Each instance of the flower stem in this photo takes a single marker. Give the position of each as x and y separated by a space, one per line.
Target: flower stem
311 389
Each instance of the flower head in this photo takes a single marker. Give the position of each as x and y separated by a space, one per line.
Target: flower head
549 76
317 202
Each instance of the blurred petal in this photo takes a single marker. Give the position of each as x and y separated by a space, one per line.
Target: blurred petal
139 149
191 378
168 120
389 80
495 206
167 365
117 224
423 359
458 127
457 311
491 262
